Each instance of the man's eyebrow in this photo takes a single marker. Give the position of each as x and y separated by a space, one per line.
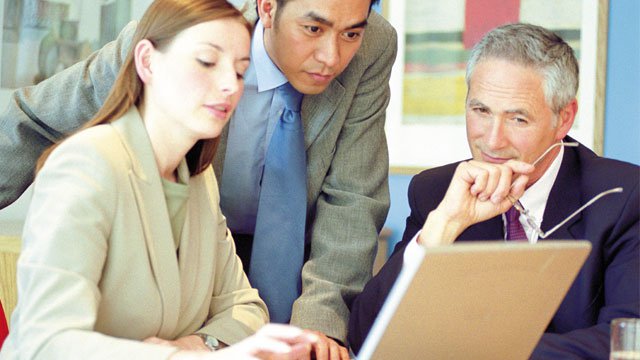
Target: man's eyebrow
324 21
360 24
476 102
518 111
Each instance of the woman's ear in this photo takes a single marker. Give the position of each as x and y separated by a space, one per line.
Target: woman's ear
142 55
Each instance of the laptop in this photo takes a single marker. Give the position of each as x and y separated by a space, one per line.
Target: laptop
475 300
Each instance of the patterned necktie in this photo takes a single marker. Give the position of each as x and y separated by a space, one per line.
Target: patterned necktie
515 231
278 242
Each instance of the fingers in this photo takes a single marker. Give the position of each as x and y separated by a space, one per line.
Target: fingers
270 348
494 182
300 352
286 333
326 348
156 340
275 341
344 353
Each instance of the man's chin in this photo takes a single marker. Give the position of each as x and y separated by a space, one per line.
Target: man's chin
309 86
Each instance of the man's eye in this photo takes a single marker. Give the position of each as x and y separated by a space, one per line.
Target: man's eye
352 35
313 29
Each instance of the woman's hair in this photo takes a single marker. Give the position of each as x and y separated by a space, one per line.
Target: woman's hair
163 20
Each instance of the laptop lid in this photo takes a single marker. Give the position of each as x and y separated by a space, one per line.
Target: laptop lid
480 300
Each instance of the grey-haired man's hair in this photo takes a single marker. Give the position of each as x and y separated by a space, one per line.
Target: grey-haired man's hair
537 47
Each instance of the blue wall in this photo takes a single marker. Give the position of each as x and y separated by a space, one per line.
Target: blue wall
622 107
622 110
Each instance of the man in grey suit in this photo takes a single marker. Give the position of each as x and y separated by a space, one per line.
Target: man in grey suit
339 56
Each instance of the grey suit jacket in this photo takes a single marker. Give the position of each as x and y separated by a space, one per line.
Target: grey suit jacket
99 258
347 161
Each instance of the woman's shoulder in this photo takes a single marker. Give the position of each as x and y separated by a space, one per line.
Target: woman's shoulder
101 144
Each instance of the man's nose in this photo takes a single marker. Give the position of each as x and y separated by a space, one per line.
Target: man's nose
328 51
495 135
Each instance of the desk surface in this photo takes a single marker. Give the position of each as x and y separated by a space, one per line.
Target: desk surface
9 252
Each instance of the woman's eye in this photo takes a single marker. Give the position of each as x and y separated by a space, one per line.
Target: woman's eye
206 63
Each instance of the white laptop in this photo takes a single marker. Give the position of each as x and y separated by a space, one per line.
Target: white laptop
475 300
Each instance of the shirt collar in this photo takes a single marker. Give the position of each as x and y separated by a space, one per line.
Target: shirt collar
537 194
267 73
535 197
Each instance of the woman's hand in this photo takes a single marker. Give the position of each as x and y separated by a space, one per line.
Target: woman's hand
271 342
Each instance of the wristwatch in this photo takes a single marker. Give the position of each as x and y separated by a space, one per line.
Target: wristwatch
209 341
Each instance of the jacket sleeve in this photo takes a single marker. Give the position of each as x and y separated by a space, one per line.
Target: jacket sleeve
236 310
37 116
368 304
352 204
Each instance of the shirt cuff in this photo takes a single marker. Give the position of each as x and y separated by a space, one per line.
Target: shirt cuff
414 252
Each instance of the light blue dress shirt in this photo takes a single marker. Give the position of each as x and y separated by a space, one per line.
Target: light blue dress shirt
250 131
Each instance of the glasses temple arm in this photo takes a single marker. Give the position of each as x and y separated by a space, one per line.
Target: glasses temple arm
595 198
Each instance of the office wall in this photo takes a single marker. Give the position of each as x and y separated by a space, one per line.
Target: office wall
87 14
622 110
622 107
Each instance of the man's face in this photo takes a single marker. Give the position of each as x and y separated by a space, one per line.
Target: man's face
313 41
508 116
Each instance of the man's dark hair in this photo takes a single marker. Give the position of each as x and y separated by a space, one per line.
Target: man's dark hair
281 3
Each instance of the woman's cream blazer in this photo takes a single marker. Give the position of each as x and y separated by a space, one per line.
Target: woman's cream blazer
98 270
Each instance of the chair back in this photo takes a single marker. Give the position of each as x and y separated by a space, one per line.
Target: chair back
4 329
9 252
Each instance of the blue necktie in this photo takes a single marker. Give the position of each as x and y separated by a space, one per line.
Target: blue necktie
278 242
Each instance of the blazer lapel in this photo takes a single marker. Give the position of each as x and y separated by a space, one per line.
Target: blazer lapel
491 229
318 109
147 186
564 198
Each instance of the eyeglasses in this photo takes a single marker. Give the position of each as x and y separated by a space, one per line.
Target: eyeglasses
531 221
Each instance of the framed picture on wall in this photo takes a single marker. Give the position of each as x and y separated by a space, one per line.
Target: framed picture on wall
425 119
43 37
39 38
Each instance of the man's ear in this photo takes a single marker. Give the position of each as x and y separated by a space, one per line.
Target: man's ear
142 54
566 118
266 12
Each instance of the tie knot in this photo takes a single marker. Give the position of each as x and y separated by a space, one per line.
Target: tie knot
292 98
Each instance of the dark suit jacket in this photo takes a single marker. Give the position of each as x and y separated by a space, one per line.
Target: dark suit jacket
608 285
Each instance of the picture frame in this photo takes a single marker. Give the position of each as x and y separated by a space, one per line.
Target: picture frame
425 127
39 38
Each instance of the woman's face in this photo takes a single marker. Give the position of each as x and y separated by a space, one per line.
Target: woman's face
196 82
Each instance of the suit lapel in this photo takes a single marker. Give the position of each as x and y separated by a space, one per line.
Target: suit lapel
318 109
564 198
491 229
152 209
